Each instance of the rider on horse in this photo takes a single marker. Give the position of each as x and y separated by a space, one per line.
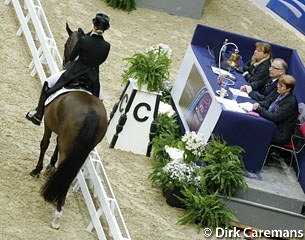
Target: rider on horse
91 51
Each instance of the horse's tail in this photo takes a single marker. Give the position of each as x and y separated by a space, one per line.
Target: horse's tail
56 187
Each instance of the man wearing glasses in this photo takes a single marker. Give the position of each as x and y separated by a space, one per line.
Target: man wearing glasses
269 91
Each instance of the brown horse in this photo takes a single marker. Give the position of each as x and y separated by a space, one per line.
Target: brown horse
70 44
80 121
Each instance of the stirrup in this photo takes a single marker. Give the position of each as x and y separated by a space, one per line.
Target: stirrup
31 117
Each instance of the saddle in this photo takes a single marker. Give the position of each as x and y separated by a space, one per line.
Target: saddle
80 83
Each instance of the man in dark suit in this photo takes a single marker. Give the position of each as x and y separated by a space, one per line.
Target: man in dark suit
282 110
277 69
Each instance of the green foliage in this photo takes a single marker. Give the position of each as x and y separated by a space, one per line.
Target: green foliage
226 178
126 5
218 151
205 210
159 143
158 177
151 68
167 125
224 172
166 92
167 134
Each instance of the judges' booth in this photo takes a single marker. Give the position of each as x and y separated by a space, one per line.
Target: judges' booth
271 195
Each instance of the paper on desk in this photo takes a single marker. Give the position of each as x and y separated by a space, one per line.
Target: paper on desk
246 105
237 92
230 105
222 72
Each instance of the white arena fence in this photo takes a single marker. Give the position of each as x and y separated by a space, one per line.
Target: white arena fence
92 179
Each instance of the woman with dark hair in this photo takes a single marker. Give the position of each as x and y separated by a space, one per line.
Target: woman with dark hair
282 110
91 51
256 70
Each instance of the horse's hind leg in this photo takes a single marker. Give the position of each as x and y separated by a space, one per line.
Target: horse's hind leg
44 143
58 212
54 158
56 220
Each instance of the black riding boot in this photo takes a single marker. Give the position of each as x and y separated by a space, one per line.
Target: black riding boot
36 116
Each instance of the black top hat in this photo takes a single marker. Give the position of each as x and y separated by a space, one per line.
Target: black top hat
101 21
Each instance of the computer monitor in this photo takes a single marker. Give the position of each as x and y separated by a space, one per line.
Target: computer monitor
194 98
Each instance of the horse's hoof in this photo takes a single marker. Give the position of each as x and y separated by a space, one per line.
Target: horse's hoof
50 168
56 220
34 173
55 224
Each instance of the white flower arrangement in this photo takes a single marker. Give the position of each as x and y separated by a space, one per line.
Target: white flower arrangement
161 47
166 108
177 169
194 142
184 173
174 153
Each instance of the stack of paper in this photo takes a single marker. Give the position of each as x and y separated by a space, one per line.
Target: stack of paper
237 92
246 106
222 72
230 105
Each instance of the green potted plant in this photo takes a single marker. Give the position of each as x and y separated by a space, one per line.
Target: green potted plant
206 210
150 68
167 133
196 175
224 172
180 168
166 121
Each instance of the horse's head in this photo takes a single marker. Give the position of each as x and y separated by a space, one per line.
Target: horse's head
70 44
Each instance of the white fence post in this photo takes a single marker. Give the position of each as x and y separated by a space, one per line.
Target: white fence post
92 169
29 39
45 36
107 204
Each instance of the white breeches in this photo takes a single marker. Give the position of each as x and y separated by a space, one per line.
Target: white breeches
53 79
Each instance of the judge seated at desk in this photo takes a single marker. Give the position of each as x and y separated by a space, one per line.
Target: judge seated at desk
256 70
282 110
269 91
